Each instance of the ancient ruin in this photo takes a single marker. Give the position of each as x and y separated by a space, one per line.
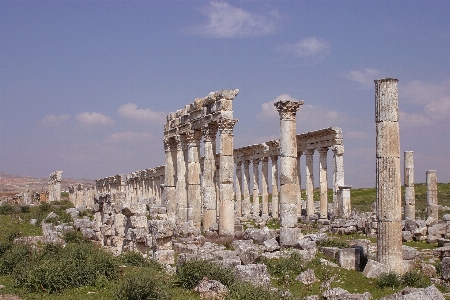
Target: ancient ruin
410 195
389 215
54 186
432 195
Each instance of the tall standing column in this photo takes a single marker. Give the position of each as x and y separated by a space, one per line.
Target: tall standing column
309 183
299 195
410 195
194 192
181 179
238 187
389 202
275 204
338 175
265 186
323 183
58 186
226 177
170 177
209 169
432 195
246 205
288 168
255 210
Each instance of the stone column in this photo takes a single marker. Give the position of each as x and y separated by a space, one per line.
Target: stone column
265 186
255 194
275 203
246 205
323 183
432 195
181 188
288 168
345 208
58 186
410 195
209 169
226 177
309 183
170 177
389 202
299 194
194 190
238 187
338 174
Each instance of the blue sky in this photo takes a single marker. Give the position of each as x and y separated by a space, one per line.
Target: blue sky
86 85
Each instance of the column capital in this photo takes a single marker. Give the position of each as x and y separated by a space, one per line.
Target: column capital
193 136
246 163
274 158
287 108
209 131
256 160
323 150
300 153
169 143
338 149
309 152
226 125
265 159
238 163
180 139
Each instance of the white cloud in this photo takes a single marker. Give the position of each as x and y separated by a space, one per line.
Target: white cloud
53 120
130 111
438 109
268 109
226 21
357 134
308 47
364 78
118 137
93 118
418 92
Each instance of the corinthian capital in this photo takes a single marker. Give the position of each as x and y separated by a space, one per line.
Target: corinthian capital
209 132
287 108
226 125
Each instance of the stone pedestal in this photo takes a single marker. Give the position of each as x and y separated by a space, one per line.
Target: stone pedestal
389 235
410 195
288 169
344 201
432 195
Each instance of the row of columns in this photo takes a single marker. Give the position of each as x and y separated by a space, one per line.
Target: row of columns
245 208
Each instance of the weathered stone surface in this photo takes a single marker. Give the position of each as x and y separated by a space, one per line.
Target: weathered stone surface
341 294
256 274
409 253
429 293
271 245
374 269
259 235
211 289
165 256
307 277
349 258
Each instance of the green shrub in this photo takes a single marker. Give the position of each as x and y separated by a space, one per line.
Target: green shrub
246 291
75 237
12 256
285 269
192 272
25 209
45 207
86 213
415 279
7 209
142 284
332 243
55 269
136 259
391 280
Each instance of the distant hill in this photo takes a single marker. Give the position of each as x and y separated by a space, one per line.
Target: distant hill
13 184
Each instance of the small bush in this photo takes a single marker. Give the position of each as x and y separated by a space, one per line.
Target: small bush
141 285
75 237
136 259
332 243
192 272
7 209
12 256
390 280
86 213
415 279
246 291
45 207
25 209
285 269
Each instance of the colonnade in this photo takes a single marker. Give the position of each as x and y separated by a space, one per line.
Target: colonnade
321 141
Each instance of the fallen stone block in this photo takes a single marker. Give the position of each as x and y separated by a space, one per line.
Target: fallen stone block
255 274
374 269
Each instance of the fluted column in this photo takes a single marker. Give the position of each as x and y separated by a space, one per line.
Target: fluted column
246 205
265 186
275 203
288 168
181 188
432 195
309 183
389 237
255 210
209 169
410 195
338 175
299 195
323 183
226 177
170 177
194 192
238 187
